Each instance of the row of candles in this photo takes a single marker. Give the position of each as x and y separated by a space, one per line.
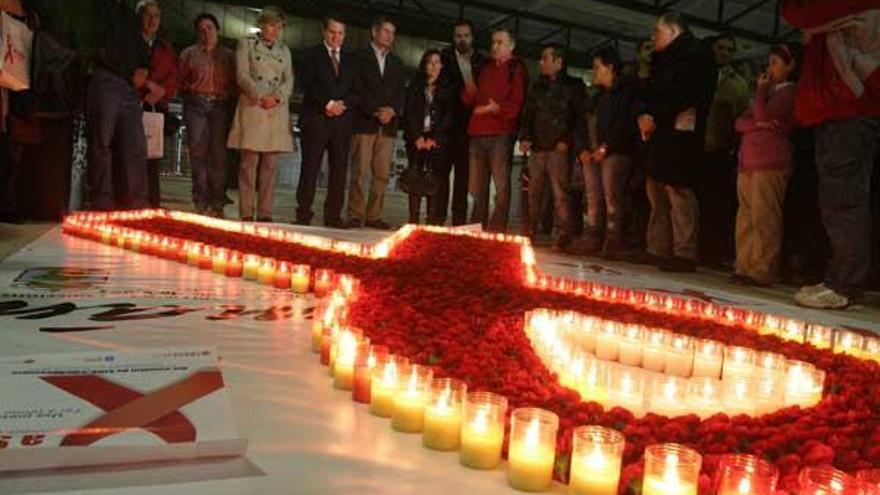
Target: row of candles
451 418
654 370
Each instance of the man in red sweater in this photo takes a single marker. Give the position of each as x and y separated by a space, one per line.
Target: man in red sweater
839 94
497 99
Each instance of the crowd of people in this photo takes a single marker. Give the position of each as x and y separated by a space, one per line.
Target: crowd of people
675 159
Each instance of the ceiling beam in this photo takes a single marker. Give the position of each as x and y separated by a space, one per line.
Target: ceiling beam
748 10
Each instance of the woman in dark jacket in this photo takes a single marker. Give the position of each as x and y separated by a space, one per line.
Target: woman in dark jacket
427 125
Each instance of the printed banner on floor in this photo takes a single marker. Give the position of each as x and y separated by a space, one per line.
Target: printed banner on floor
97 408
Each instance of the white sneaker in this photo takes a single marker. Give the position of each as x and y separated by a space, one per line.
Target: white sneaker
821 298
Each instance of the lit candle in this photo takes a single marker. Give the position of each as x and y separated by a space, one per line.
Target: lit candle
770 364
793 330
608 341
364 365
300 280
671 469
708 357
820 336
740 474
704 396
251 266
872 349
627 389
596 457
327 335
825 480
266 274
803 384
532 450
847 342
218 264
348 346
194 254
869 480
593 386
680 356
482 432
234 267
668 395
739 395
769 393
654 353
323 281
282 276
443 415
336 338
631 345
206 258
410 399
383 385
738 361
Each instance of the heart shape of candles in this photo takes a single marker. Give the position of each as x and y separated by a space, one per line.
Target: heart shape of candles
655 370
508 265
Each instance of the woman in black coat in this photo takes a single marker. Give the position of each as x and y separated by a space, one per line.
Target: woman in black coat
427 125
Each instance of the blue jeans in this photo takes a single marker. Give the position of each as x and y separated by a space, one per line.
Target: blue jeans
845 160
490 155
207 126
117 148
605 185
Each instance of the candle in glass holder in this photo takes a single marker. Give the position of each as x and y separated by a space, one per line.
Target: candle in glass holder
596 458
442 429
327 335
234 267
825 480
300 280
608 341
738 361
324 278
668 396
348 346
282 276
384 383
410 399
803 384
740 474
482 430
738 395
364 365
193 253
769 393
251 266
593 385
708 356
671 469
704 396
679 356
654 352
847 342
626 389
793 330
206 257
631 345
821 337
532 450
266 274
218 264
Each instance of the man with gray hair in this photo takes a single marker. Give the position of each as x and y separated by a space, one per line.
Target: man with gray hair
497 100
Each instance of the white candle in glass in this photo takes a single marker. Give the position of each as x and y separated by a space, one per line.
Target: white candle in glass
704 396
654 352
626 389
631 345
708 356
739 395
608 341
668 394
680 356
738 361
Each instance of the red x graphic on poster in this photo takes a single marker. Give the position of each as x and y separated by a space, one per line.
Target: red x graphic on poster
125 409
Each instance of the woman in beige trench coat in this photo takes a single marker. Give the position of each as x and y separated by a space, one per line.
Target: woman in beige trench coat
261 127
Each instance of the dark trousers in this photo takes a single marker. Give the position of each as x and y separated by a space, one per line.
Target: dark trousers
207 126
117 149
10 170
458 164
334 137
845 160
490 157
718 206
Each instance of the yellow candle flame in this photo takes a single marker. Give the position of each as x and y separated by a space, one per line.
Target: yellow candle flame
597 459
745 486
389 376
533 434
480 422
670 475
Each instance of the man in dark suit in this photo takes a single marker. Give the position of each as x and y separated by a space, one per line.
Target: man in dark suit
378 87
328 102
461 64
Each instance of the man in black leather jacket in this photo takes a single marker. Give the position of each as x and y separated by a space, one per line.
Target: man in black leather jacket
553 106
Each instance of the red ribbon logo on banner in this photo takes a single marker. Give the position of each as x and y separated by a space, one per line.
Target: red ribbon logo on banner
127 409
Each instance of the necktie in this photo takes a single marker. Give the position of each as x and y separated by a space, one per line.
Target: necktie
335 59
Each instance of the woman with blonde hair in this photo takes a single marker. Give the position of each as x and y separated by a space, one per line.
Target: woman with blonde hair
261 127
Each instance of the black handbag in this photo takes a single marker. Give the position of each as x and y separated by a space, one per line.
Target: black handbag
419 178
